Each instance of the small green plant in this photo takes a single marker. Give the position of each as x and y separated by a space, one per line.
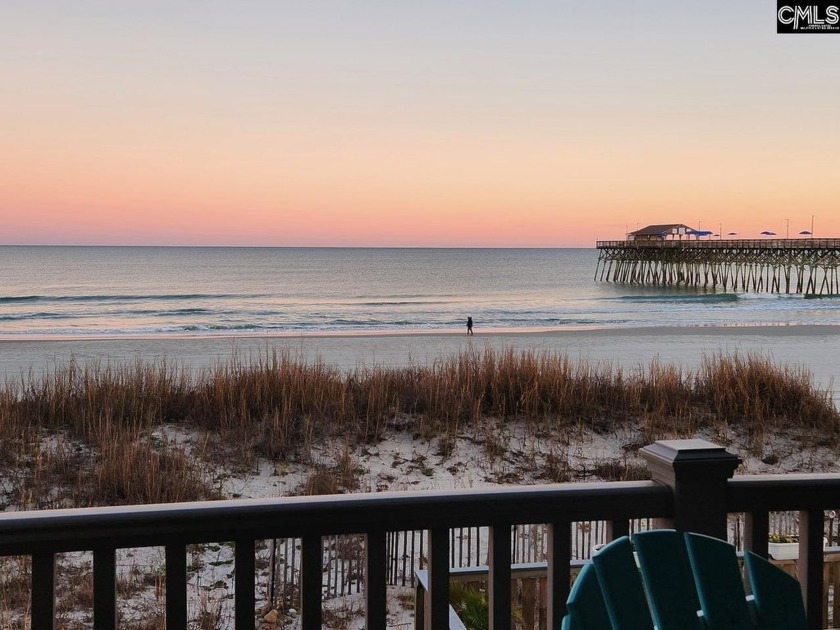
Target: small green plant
783 538
470 604
472 607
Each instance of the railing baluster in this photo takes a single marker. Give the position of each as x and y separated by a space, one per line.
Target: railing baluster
290 582
311 582
375 565
176 587
835 587
104 589
244 568
43 591
824 594
438 616
559 571
499 578
811 564
403 555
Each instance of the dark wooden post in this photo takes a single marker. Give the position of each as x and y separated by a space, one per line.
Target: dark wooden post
499 577
757 532
438 614
376 605
244 578
104 589
43 590
697 472
311 581
559 572
810 564
176 586
617 529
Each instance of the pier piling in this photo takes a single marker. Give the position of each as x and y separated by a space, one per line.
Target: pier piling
808 266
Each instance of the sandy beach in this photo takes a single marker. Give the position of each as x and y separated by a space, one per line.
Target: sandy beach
814 347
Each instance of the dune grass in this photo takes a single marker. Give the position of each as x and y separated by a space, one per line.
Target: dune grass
92 429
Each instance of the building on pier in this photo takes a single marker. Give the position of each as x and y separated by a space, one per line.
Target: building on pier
660 232
805 265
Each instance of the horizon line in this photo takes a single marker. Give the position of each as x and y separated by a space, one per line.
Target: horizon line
299 246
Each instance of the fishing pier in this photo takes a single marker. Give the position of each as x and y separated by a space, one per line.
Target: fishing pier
804 265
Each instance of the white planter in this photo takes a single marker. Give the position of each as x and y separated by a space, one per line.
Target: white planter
786 551
783 551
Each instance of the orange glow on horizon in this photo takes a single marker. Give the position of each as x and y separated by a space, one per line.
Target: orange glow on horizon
486 192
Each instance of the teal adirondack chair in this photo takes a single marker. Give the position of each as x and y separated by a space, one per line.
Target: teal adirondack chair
587 610
670 581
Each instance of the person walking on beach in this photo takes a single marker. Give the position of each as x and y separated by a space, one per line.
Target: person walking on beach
469 326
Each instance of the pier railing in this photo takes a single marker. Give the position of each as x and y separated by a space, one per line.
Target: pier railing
692 489
770 243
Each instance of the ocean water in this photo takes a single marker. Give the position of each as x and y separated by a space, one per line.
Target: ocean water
61 292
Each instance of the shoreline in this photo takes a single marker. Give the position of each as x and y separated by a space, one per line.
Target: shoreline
696 329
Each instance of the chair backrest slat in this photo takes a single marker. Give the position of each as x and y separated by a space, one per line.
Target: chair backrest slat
778 597
587 610
621 584
717 577
668 579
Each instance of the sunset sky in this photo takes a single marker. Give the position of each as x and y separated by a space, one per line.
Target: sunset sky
394 123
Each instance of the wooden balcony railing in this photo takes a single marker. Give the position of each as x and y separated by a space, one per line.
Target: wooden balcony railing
691 489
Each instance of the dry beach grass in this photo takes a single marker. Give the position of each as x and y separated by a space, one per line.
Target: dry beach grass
85 435
100 434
